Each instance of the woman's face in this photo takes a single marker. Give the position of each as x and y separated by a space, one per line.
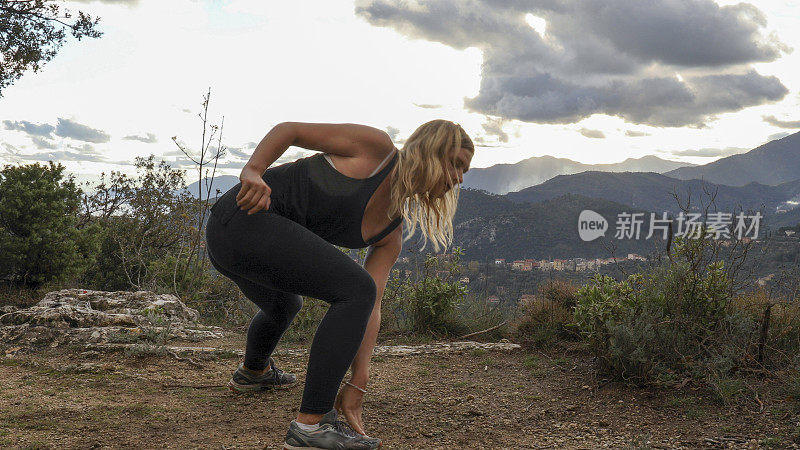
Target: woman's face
454 172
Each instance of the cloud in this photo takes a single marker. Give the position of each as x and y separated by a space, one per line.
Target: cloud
149 139
112 2
634 133
63 155
427 106
42 130
42 143
238 153
9 149
776 136
80 132
393 132
711 152
595 134
601 56
774 121
481 141
494 127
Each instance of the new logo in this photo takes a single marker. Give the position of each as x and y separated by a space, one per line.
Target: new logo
591 225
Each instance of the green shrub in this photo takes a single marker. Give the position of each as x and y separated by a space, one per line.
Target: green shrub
667 323
427 305
40 240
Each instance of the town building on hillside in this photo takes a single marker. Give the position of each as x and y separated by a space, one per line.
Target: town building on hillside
525 265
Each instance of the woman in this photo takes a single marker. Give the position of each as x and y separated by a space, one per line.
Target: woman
274 233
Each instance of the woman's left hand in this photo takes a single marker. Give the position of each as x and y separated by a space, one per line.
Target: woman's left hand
348 402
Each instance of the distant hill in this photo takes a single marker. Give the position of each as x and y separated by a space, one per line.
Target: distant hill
544 230
222 182
504 178
652 191
786 219
773 163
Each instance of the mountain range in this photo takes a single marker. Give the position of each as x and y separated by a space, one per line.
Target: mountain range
654 192
222 182
544 230
773 163
504 178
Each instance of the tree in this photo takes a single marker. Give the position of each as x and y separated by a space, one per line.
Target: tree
145 220
208 155
39 240
32 32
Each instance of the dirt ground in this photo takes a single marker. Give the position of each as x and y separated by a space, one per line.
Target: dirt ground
475 400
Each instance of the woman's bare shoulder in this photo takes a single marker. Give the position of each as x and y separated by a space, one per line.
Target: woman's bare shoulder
347 140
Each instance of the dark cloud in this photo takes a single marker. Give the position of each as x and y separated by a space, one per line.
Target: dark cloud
427 106
595 134
494 127
595 56
711 152
699 32
634 133
393 132
149 139
80 132
42 130
774 121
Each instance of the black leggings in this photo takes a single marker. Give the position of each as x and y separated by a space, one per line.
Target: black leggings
275 261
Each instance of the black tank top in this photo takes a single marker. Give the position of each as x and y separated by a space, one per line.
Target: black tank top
312 193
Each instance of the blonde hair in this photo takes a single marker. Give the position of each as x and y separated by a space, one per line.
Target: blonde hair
419 169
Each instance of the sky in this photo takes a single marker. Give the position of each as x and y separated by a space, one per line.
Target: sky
595 81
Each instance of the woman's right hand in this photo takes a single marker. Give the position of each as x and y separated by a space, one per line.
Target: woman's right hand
254 194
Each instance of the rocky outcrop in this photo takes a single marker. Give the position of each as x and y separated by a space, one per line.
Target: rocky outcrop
381 350
83 316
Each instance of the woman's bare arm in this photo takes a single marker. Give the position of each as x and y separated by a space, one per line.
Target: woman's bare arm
271 147
342 139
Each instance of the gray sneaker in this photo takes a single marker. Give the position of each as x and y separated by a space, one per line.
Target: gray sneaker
332 434
242 381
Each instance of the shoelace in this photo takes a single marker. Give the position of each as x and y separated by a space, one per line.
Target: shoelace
345 428
276 372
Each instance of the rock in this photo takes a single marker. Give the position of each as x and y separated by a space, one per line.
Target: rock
442 347
97 317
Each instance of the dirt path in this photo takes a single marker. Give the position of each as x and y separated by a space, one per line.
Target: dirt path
477 399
